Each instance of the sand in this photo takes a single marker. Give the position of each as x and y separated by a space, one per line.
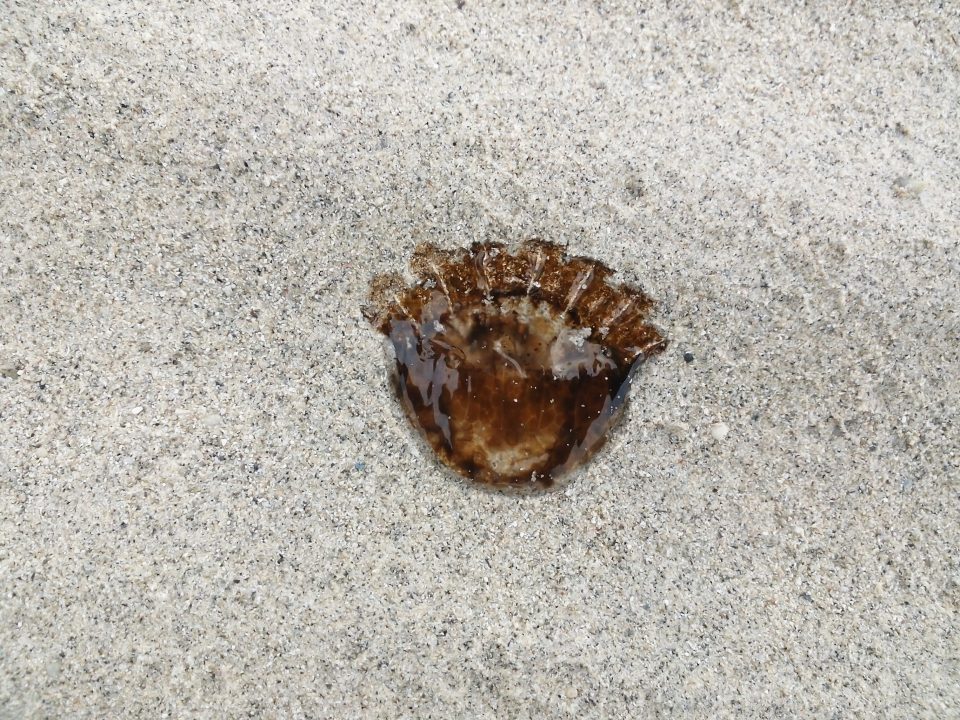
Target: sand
210 505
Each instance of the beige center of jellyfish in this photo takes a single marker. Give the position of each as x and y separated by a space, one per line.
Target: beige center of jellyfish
513 366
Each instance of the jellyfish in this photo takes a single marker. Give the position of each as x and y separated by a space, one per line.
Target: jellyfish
512 363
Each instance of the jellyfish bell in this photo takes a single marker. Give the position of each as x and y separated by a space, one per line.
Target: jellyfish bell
513 363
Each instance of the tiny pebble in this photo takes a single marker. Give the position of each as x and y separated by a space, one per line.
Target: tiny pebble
907 186
212 420
719 430
688 357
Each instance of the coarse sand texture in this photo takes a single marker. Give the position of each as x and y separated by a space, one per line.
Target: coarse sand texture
212 504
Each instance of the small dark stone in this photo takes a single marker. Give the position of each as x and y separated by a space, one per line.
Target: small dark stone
688 357
635 187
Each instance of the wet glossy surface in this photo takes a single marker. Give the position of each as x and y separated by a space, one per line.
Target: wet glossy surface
512 365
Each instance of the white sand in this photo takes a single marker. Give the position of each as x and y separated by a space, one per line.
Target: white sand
210 507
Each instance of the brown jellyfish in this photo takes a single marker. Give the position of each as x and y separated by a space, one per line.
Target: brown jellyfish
513 366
